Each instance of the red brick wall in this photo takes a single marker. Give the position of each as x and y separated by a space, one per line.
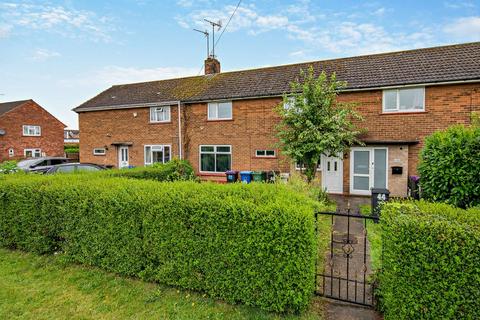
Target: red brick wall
444 106
101 128
30 113
252 128
253 125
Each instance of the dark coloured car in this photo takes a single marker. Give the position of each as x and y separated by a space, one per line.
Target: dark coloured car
71 168
35 164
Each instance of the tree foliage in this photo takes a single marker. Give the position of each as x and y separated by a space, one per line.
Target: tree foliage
314 122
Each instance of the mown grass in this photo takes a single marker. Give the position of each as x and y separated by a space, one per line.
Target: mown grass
374 235
44 287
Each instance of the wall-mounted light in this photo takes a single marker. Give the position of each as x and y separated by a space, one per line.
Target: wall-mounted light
134 114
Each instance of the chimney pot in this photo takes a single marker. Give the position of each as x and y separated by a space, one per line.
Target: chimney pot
212 65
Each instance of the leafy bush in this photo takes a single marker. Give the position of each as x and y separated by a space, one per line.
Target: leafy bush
430 261
8 167
244 243
450 166
174 170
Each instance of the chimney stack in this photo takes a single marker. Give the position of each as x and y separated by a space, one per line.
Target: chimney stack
212 65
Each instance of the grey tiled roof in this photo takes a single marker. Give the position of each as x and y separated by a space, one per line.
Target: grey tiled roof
7 106
438 64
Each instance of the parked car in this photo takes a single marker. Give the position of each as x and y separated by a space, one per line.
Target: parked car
70 168
37 163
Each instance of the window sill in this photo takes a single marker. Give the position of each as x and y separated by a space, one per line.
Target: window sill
212 174
160 122
218 120
31 136
402 112
257 157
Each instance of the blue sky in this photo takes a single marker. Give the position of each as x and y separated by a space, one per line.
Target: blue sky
61 53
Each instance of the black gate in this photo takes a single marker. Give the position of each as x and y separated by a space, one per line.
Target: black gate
346 273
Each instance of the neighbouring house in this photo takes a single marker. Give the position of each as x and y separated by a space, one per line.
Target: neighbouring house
27 131
71 137
226 120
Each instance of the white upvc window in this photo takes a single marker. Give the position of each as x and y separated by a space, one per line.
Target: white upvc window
404 100
160 114
159 153
215 158
265 153
301 166
99 151
220 110
33 131
32 153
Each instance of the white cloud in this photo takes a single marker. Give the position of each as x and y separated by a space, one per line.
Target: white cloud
112 75
464 29
44 54
379 12
67 22
459 4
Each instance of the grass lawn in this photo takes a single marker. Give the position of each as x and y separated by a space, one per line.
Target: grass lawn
374 235
42 287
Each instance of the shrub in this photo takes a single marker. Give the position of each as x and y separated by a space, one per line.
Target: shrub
8 167
450 166
174 170
244 243
430 261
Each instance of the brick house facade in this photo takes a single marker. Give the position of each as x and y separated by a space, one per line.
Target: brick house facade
444 92
28 130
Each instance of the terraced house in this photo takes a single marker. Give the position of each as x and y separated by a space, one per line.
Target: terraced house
226 120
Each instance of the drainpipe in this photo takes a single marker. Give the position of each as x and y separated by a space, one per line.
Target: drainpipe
179 130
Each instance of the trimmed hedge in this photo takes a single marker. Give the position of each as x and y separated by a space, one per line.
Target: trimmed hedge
174 170
450 166
431 261
253 243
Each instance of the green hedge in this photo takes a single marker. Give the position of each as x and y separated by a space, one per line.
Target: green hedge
431 261
450 166
244 243
174 170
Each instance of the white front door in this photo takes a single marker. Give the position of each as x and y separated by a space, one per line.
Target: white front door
332 174
123 157
368 169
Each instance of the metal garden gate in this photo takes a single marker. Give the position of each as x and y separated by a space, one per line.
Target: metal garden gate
345 275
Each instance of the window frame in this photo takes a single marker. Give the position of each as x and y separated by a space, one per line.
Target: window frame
102 153
319 166
397 109
33 150
217 103
265 155
151 153
215 146
35 134
153 118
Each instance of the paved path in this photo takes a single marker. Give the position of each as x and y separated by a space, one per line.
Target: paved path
359 261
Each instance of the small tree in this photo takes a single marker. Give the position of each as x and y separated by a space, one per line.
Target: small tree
314 122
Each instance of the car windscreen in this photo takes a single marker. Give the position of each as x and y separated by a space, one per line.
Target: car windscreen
24 164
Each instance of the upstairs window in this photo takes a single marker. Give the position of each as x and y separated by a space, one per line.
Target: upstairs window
160 114
265 153
157 154
220 110
215 158
32 131
404 100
